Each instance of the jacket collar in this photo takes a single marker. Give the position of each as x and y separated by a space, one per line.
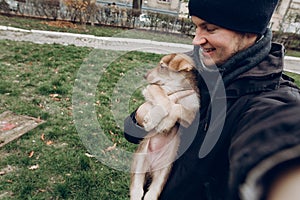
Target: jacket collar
264 76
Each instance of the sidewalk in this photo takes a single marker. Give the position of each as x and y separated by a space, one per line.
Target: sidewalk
292 64
108 43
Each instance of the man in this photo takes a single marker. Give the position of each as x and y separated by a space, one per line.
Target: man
257 153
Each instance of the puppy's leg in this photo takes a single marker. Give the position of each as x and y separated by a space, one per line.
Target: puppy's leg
187 115
178 113
184 105
136 191
154 117
139 168
158 181
155 94
175 97
161 106
168 122
142 111
162 166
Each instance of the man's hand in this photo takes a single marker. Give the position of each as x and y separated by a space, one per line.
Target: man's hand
286 186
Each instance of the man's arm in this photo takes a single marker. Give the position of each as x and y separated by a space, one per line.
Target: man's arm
263 152
286 185
133 132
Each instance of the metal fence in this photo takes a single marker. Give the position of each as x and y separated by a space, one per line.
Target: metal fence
89 13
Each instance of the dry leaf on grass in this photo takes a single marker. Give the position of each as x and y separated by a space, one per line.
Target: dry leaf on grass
30 154
34 167
49 142
111 147
55 97
89 155
43 137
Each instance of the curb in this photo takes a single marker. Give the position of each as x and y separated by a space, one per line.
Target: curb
291 58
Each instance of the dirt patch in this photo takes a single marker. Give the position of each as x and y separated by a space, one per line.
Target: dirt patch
7 170
60 24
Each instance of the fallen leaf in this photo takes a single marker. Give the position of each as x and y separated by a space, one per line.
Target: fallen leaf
34 167
49 142
31 154
111 147
43 137
89 155
54 95
2 173
56 99
111 133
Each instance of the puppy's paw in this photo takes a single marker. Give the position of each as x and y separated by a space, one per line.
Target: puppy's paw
166 124
154 117
137 195
150 196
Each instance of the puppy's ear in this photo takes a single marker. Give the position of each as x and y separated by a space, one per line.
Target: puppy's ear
182 63
167 59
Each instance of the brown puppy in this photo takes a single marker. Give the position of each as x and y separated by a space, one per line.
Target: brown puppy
172 96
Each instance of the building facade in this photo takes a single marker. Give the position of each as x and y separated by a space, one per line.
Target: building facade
287 16
171 7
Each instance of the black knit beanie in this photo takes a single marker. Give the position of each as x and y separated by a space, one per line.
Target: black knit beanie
249 16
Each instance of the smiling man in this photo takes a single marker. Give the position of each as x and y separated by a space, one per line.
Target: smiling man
257 154
219 44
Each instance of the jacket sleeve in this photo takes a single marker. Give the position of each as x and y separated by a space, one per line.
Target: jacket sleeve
268 140
132 131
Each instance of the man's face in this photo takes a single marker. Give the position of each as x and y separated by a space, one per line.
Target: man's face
219 44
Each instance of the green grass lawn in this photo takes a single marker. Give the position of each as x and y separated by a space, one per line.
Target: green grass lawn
296 77
38 80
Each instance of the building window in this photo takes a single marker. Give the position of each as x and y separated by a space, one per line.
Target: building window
167 1
297 18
